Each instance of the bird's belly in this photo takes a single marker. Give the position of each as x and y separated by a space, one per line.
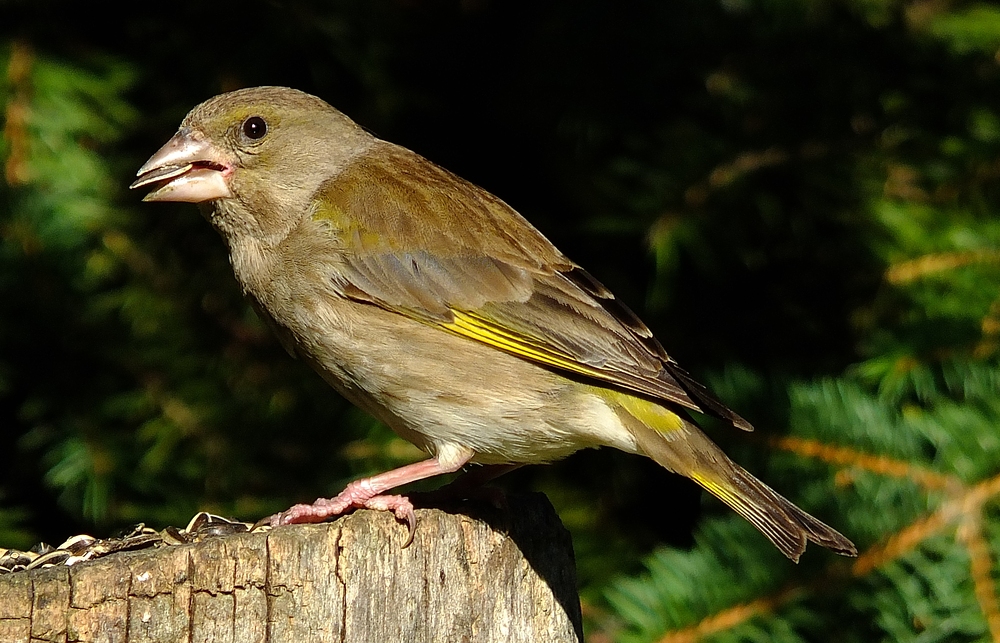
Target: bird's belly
443 391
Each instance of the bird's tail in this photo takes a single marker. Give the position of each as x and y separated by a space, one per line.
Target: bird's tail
679 445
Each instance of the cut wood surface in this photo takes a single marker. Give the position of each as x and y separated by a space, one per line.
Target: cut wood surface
472 574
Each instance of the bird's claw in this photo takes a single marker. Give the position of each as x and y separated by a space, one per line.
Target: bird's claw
401 507
324 508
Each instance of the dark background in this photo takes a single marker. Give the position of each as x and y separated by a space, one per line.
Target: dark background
798 197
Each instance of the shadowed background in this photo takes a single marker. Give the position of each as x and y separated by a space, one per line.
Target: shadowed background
799 198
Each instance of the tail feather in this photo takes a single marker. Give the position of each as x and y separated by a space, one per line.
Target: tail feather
784 524
689 452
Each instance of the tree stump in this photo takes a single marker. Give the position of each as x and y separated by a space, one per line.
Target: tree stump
479 576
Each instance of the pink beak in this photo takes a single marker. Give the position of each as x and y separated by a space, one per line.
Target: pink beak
189 169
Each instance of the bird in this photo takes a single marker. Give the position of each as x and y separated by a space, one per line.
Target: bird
433 305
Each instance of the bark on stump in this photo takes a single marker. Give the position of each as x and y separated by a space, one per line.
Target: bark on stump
481 575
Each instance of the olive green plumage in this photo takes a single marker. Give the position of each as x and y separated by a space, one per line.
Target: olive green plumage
438 308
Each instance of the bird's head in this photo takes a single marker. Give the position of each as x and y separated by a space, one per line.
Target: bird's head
254 156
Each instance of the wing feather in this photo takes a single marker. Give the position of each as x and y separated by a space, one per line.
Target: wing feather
418 240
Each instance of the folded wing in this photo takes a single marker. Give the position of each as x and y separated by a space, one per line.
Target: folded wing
417 240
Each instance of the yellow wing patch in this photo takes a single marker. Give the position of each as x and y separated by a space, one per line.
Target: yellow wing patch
652 414
475 327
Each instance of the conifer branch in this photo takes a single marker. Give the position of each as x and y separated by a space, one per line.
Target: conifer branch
848 457
962 509
15 129
990 326
970 533
732 617
913 269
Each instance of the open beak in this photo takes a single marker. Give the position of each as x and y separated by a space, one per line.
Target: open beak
188 168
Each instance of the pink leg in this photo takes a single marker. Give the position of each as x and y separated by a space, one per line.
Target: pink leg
367 493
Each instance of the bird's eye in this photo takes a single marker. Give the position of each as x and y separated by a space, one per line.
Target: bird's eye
254 128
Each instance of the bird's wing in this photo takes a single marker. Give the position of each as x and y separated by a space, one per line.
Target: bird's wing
417 240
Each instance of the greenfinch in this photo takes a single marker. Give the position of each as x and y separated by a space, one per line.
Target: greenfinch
436 307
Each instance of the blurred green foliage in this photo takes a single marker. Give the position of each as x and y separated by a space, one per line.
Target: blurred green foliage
800 197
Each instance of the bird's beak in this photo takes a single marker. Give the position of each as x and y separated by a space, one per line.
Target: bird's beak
188 168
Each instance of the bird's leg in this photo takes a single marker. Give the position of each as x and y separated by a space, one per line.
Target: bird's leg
367 493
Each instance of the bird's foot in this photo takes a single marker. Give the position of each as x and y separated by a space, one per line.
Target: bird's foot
367 493
357 495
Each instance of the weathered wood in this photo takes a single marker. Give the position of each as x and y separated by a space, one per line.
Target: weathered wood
482 575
